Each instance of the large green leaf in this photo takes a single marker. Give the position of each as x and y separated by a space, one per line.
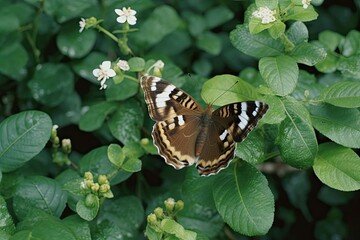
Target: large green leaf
119 218
308 53
258 45
51 83
22 136
126 122
342 94
209 42
341 125
7 224
296 137
122 91
38 192
252 149
96 115
74 44
13 58
162 21
244 199
227 89
338 167
281 73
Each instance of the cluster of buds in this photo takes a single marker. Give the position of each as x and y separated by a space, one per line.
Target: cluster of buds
171 209
60 157
101 188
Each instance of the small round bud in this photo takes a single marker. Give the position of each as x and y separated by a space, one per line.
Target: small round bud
102 179
159 212
88 176
179 205
151 219
66 145
144 141
95 187
104 188
169 204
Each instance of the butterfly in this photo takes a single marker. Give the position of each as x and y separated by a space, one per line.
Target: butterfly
185 133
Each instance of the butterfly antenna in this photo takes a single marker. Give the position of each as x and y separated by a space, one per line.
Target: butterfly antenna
223 93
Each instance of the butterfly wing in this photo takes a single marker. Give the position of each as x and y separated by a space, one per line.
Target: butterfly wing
172 108
231 123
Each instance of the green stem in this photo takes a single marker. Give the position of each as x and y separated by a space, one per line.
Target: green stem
109 34
131 78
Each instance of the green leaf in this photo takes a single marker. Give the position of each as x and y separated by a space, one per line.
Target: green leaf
329 64
74 44
350 66
170 226
97 162
308 54
334 197
126 122
297 33
331 40
209 42
338 167
300 14
51 83
7 224
162 21
252 149
78 226
217 16
276 114
10 22
280 73
22 136
136 64
67 9
116 155
296 137
85 66
230 88
351 44
341 125
122 91
258 46
38 192
120 217
13 58
202 219
342 94
267 3
307 87
86 211
244 199
132 165
96 115
44 226
193 188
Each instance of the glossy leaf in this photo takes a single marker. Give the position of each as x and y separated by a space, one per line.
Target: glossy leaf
74 44
22 136
120 217
115 155
96 115
39 192
51 83
308 54
132 165
122 91
341 125
349 66
342 94
126 121
280 73
244 200
13 58
136 64
230 88
170 226
252 149
338 167
296 138
297 33
259 45
7 224
88 211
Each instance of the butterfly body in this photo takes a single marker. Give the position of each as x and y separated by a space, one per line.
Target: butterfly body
185 133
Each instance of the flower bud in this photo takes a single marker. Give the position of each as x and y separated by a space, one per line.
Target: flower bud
102 179
151 219
66 145
159 212
169 204
88 176
179 205
104 188
95 187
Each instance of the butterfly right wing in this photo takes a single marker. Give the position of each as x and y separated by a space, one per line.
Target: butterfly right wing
177 115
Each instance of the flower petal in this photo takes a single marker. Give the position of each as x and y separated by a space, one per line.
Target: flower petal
105 65
111 73
119 12
131 20
121 19
95 72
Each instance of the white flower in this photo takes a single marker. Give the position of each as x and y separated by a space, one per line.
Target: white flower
82 185
82 24
103 73
123 65
126 14
55 127
265 14
305 3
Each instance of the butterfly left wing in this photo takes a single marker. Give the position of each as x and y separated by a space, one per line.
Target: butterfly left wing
231 123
